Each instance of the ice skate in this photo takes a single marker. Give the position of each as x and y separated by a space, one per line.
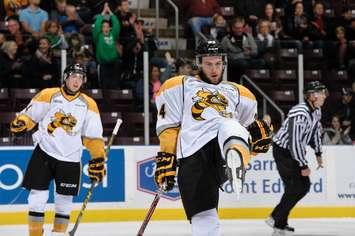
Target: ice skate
235 171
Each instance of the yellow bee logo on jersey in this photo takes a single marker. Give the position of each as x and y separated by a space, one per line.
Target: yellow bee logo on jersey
205 99
60 119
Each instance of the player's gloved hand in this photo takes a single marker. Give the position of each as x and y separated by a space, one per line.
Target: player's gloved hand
166 170
18 127
97 169
261 136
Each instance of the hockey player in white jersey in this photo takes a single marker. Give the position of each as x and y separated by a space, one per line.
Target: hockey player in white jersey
66 120
207 127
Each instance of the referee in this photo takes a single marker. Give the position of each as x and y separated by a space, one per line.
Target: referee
302 127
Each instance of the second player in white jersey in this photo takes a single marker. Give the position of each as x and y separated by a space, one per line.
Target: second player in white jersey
66 120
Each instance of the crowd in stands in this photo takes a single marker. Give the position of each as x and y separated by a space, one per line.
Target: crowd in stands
109 40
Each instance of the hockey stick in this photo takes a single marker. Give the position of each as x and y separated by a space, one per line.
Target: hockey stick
150 211
93 184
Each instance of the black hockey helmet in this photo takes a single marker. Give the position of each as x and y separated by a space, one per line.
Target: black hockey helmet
314 86
209 48
74 68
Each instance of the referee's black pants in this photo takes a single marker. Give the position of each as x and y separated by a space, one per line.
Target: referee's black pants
296 185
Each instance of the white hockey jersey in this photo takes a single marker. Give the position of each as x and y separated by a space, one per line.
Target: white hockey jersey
197 108
62 122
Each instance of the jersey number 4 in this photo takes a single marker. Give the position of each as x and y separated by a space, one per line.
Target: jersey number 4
162 111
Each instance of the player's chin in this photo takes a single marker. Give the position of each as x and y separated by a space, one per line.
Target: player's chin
215 79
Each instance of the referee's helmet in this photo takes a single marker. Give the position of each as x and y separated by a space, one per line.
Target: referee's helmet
314 86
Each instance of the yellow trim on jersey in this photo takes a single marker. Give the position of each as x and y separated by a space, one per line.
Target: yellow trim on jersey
45 95
92 106
111 215
30 124
244 92
168 140
170 83
95 146
68 96
245 153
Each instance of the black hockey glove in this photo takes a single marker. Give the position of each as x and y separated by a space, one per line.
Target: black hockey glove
18 127
97 169
261 136
166 170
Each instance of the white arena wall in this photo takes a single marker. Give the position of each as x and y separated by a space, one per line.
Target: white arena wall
332 192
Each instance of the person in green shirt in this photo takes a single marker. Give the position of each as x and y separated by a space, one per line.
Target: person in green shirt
105 35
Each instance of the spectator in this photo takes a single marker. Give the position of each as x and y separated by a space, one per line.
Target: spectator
341 47
154 81
320 27
154 86
200 13
85 58
351 30
275 22
105 39
87 8
10 66
133 56
183 66
335 135
296 24
43 68
33 18
127 20
75 43
344 17
241 48
219 28
55 36
16 33
67 17
252 11
2 38
265 42
346 111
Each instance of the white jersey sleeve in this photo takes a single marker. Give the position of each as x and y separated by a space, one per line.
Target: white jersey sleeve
92 127
39 105
169 102
246 111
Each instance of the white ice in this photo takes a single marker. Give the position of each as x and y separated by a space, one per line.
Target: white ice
304 227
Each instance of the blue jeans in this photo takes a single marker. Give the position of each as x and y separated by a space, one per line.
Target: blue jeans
196 24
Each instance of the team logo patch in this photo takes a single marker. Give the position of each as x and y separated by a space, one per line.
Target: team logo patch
205 98
65 121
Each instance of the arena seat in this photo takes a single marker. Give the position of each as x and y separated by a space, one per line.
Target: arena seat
119 100
21 97
313 75
5 102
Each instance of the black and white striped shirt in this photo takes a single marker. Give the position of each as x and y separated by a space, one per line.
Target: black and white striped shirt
301 127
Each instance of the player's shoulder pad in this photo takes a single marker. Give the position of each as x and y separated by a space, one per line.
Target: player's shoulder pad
46 95
171 83
90 103
243 91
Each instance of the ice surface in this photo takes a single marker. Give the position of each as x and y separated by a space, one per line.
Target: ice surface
304 227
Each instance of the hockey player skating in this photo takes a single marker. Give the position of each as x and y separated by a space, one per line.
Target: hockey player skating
302 127
202 127
66 120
